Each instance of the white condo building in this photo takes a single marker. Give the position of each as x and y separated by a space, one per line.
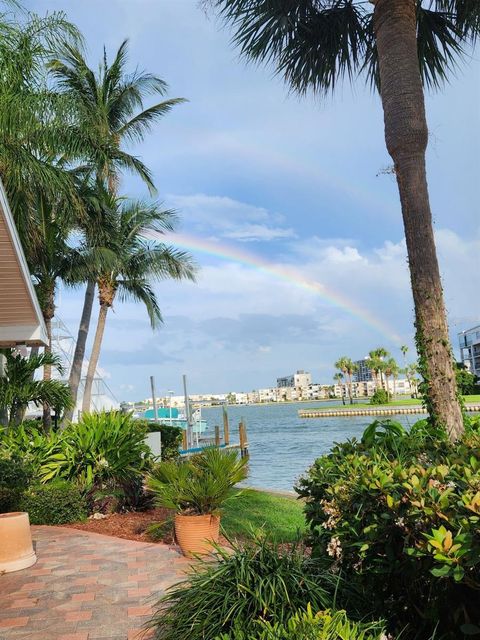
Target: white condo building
469 343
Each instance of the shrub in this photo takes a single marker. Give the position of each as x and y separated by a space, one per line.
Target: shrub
398 514
171 437
238 588
31 444
58 502
102 449
380 397
305 625
15 476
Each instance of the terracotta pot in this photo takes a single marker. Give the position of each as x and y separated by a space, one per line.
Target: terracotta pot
195 534
16 550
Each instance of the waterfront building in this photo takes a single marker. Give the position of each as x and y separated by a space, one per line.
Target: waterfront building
469 343
363 373
301 379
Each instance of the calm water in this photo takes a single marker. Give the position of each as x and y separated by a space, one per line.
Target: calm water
282 445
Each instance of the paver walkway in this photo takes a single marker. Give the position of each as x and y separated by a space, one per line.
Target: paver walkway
85 586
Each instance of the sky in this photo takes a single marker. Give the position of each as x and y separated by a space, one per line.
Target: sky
285 204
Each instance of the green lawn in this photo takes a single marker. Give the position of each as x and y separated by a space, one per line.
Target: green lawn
395 403
280 516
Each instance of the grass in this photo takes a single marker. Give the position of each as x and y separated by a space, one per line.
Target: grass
280 516
394 403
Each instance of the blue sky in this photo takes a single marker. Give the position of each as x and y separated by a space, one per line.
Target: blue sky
298 182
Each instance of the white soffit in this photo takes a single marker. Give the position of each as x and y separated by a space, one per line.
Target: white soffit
21 320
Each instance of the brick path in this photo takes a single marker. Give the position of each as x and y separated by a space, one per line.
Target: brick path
85 586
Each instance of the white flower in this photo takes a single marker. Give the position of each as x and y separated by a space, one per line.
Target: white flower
334 548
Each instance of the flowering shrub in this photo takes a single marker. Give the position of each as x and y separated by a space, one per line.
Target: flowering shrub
399 516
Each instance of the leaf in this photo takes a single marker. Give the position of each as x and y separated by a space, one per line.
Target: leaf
470 629
440 572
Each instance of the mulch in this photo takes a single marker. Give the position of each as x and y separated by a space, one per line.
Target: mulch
130 525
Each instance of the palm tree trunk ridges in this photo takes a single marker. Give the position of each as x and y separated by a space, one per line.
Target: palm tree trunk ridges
94 357
406 136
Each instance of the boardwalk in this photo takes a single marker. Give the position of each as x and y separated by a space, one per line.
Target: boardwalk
85 586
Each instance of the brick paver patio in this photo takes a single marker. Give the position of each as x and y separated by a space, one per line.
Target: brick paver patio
85 586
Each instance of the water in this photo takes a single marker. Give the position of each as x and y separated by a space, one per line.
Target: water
282 445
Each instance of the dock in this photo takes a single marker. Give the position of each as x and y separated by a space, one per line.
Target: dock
220 440
380 411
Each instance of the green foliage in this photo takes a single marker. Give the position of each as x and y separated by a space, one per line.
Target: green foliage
240 587
34 446
103 448
58 502
15 476
171 438
398 514
379 397
466 381
18 387
200 485
305 625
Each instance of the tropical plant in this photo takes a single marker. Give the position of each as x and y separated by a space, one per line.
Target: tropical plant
390 369
140 259
398 515
338 377
242 585
467 382
411 371
348 368
18 388
376 363
380 396
199 486
59 502
109 106
15 476
103 449
306 625
399 46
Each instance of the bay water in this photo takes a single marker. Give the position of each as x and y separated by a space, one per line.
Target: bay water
281 444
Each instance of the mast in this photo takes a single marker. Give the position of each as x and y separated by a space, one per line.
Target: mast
188 413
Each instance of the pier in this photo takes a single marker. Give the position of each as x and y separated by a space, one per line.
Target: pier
220 440
380 411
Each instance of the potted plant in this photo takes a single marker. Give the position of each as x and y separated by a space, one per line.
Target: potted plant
196 490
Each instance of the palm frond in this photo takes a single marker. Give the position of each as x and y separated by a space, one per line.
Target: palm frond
141 291
136 128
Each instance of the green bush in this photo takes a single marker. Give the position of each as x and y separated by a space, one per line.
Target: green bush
380 397
102 449
398 514
240 587
171 438
58 502
34 446
305 625
15 476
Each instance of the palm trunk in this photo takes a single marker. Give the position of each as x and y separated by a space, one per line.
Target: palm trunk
94 357
406 137
78 357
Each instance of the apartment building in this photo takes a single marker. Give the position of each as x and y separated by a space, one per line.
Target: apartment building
469 343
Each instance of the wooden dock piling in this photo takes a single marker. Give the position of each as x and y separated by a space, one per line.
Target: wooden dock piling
217 435
242 433
226 428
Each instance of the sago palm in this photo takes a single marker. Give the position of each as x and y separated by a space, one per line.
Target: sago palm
399 46
140 260
109 107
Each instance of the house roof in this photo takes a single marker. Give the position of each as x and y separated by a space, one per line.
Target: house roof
21 320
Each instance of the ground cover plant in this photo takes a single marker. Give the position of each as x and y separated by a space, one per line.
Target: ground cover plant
398 514
59 502
241 586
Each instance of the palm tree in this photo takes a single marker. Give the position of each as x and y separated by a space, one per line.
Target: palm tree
375 362
139 261
348 368
18 387
404 350
399 46
410 372
391 369
338 377
110 108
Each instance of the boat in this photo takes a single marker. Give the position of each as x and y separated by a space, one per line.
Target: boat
172 416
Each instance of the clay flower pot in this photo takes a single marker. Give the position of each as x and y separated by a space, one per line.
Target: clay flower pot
195 534
16 550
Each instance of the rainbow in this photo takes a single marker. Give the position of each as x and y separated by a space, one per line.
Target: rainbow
283 272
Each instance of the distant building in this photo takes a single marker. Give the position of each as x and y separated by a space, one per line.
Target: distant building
469 343
301 379
363 373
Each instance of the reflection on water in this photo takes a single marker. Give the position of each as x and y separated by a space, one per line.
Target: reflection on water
282 445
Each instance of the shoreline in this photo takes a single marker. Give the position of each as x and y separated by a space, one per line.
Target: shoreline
380 411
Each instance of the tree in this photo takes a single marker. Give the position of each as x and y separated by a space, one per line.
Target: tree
348 368
140 259
338 377
376 362
110 109
399 46
18 388
466 381
404 350
411 371
391 369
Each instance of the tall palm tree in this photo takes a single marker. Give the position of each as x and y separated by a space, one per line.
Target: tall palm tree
399 46
376 362
110 108
348 368
391 369
139 261
339 380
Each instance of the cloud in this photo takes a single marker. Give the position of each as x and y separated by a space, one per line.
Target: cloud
230 218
